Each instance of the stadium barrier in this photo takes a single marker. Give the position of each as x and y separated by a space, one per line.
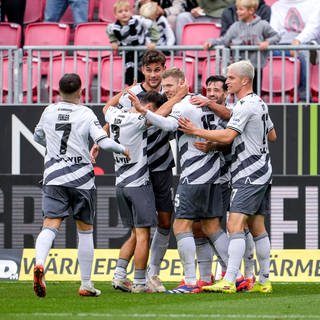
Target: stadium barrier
29 73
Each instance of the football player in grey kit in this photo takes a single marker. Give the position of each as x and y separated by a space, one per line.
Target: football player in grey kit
68 179
198 195
249 128
134 191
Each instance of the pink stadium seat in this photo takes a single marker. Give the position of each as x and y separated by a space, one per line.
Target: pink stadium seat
208 69
47 34
314 82
92 34
68 16
187 65
34 11
288 81
106 10
197 34
107 69
10 34
62 65
270 2
7 70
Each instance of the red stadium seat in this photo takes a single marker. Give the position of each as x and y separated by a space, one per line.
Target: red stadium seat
34 11
208 69
111 68
106 13
29 70
62 65
197 34
270 2
47 34
314 82
92 34
187 65
283 76
10 34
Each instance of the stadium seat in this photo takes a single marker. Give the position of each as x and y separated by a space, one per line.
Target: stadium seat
187 65
47 34
34 11
68 16
106 10
197 34
66 64
10 34
208 69
27 72
314 82
92 34
283 77
270 2
111 69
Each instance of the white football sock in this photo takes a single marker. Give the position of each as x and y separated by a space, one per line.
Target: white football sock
248 255
85 254
187 252
262 243
204 258
158 249
237 246
44 243
220 243
121 269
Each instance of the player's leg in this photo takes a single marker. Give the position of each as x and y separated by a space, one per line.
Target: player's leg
162 188
82 203
55 202
204 254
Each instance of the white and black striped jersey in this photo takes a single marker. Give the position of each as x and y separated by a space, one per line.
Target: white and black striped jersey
66 128
250 152
197 167
160 157
129 129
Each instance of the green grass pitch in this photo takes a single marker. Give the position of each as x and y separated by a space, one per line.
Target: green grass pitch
288 301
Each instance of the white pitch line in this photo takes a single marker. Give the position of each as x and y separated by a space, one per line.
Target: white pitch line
153 315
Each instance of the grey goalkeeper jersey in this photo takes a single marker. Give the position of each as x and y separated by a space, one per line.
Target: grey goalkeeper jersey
160 157
129 129
66 128
250 152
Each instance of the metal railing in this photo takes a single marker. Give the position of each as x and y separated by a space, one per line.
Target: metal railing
28 74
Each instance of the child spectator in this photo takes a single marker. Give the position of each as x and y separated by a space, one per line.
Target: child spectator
151 11
229 15
131 30
249 30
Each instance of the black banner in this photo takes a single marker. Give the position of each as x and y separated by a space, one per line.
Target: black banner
294 221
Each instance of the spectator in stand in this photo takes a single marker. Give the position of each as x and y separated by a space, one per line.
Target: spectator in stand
150 10
13 10
206 11
56 8
167 8
249 30
229 15
310 34
131 30
288 18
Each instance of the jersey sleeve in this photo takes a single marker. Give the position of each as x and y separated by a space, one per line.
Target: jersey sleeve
270 124
39 134
239 118
96 131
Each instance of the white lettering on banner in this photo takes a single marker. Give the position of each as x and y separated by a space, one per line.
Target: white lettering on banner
8 269
279 227
17 129
312 223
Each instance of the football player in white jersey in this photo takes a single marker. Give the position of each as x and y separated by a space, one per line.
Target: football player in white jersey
135 197
198 195
160 159
249 128
68 179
